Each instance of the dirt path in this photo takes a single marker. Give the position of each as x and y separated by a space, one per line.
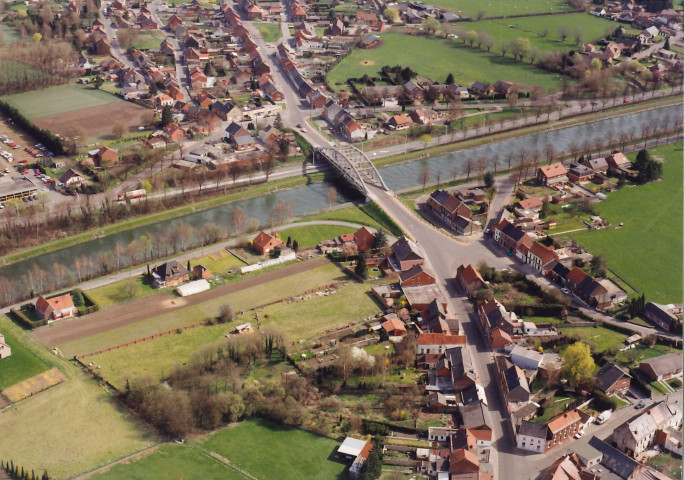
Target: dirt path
121 315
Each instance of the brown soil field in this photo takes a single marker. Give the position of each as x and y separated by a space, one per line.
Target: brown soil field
36 384
117 316
97 121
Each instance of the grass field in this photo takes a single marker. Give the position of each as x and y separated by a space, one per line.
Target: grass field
291 454
435 58
269 31
646 251
22 364
149 40
601 336
69 428
554 407
54 100
295 320
593 29
9 34
115 292
644 353
668 464
312 235
242 300
351 214
172 461
501 9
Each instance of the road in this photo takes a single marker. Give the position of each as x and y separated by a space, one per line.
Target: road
115 49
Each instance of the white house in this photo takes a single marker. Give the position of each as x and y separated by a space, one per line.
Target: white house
438 434
525 358
532 436
598 12
5 350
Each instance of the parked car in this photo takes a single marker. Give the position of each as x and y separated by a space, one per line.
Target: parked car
565 291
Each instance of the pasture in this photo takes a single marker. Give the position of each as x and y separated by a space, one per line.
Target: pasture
647 251
239 300
34 385
603 338
60 99
148 40
296 320
172 461
19 366
114 293
436 57
534 28
291 453
494 8
68 428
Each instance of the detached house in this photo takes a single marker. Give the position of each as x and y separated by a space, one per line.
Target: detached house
405 255
415 276
170 274
399 122
613 379
469 279
56 307
662 367
264 243
72 178
452 210
552 174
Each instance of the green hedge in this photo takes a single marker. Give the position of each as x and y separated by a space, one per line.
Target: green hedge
376 212
45 137
90 304
26 321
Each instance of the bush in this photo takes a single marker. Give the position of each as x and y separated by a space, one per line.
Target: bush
603 401
25 321
77 296
374 211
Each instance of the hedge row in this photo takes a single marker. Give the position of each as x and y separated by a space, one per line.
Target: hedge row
45 137
374 211
25 321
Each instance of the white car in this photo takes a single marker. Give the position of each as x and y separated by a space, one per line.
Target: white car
565 291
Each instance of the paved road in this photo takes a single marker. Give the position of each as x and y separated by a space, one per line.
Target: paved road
115 49
117 316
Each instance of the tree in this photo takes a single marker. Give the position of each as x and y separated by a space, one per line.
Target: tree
331 196
431 25
667 43
426 139
471 37
278 122
504 46
579 363
424 175
77 296
488 179
520 47
295 245
372 467
167 116
131 288
98 82
226 313
380 239
579 34
36 37
361 268
450 79
391 14
563 31
146 185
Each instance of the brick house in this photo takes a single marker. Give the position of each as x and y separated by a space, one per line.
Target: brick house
541 257
264 243
170 274
612 379
406 254
563 428
104 156
415 276
551 174
469 279
662 367
55 308
364 239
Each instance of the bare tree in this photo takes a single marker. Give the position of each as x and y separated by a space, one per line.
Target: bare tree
424 175
238 220
331 196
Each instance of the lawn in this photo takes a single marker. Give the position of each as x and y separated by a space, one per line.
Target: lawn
242 300
644 353
536 320
554 407
219 262
620 402
296 320
9 34
668 464
603 338
501 9
68 428
62 99
269 31
116 292
149 40
22 364
593 29
646 251
312 235
435 58
351 214
172 461
291 453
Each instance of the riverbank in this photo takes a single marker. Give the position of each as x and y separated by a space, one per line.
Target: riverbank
589 117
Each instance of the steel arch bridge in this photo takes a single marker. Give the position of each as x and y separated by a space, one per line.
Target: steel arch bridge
353 164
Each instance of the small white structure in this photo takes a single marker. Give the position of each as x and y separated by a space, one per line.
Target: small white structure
5 350
283 258
243 328
192 288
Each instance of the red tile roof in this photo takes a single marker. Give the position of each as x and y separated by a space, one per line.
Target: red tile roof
563 420
576 276
554 170
440 339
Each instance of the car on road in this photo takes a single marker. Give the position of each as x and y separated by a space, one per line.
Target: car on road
580 434
640 405
303 130
565 291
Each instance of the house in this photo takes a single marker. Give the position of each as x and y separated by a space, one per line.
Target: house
463 462
101 47
512 238
227 111
481 89
337 27
457 91
399 122
351 129
613 379
598 12
413 90
565 468
5 349
170 274
617 161
552 174
415 276
240 137
469 279
394 327
369 41
163 100
580 173
365 239
563 428
648 34
200 272
357 451
593 293
55 308
504 88
72 178
598 165
526 358
531 436
663 316
533 204
492 315
437 343
541 258
264 243
406 254
173 133
513 382
499 339
662 367
451 209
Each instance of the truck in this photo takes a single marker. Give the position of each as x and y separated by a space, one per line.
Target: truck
132 194
605 415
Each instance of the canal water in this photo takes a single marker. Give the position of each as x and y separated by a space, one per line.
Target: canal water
310 198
